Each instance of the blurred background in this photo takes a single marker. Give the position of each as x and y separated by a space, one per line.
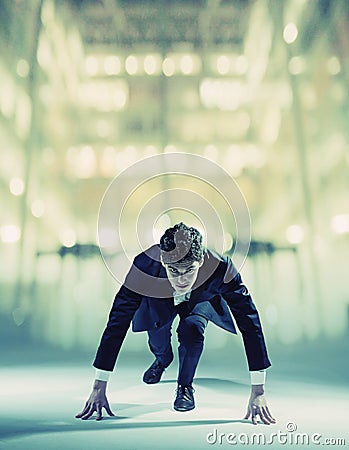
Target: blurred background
88 88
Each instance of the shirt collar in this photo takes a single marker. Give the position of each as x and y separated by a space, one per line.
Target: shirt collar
186 295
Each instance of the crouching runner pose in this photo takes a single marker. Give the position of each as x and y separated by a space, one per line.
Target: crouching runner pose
180 276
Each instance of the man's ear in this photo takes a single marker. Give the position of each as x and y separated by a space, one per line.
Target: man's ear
201 262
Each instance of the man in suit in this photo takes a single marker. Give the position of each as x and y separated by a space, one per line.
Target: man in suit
180 276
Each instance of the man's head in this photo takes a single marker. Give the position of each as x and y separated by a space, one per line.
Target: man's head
182 254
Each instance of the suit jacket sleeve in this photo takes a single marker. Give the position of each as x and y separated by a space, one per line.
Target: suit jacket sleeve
125 304
246 316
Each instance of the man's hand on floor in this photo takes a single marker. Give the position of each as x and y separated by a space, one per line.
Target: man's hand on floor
257 406
96 402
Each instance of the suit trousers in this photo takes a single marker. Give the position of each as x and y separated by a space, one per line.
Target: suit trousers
190 331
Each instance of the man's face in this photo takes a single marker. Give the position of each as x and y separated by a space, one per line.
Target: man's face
182 275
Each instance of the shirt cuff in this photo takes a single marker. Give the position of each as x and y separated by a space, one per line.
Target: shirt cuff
258 376
102 375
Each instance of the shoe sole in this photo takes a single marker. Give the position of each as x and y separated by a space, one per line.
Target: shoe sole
183 409
151 382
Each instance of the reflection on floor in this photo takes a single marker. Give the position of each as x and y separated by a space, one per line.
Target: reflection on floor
40 397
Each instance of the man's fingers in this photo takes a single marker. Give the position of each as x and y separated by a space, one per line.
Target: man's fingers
254 415
99 412
83 411
92 406
271 417
248 413
90 411
263 417
109 411
268 415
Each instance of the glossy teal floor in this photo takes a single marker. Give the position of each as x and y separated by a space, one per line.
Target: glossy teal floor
39 400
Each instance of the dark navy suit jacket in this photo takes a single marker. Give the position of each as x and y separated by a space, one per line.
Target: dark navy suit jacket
146 299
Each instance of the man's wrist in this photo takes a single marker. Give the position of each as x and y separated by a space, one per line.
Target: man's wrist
257 389
99 385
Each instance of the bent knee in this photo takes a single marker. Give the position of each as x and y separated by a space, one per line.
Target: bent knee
192 327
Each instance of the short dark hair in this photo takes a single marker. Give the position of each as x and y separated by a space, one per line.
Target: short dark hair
181 243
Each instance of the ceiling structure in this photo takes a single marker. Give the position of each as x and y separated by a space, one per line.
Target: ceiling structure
163 24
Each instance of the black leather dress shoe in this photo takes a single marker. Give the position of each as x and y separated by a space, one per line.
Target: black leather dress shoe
184 398
154 373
